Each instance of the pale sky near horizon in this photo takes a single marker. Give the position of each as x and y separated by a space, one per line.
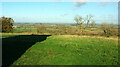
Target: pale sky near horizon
60 11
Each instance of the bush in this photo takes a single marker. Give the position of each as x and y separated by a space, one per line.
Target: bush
7 24
109 29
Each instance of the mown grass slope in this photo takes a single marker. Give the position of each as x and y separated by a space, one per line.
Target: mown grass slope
71 50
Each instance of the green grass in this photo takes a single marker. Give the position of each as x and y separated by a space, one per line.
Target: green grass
71 50
6 35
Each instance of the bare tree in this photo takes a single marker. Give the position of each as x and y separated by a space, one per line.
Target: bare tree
109 29
79 21
93 23
88 19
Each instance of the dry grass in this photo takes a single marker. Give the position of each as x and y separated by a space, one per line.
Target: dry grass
67 36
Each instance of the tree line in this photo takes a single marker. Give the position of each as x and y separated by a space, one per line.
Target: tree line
82 24
108 29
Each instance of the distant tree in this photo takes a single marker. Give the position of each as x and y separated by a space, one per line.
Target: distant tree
7 24
76 19
109 29
88 19
93 23
81 20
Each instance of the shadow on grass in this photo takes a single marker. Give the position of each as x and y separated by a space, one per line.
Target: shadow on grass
14 47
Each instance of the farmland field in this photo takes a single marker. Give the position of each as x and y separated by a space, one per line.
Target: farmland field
71 50
25 29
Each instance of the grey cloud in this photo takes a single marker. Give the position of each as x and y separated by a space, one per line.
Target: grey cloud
79 4
103 3
58 0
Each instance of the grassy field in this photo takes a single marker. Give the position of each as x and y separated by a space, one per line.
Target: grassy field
25 29
6 35
71 50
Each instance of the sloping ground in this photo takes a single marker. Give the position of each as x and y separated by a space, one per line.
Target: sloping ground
14 46
71 50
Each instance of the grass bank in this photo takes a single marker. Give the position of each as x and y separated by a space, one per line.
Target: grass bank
71 50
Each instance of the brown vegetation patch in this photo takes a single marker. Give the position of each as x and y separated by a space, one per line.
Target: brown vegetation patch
51 52
67 36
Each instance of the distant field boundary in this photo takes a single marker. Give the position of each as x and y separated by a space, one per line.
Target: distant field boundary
113 38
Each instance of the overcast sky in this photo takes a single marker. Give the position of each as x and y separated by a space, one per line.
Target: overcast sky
60 11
